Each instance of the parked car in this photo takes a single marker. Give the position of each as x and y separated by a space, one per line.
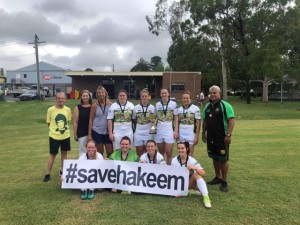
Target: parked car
31 95
18 91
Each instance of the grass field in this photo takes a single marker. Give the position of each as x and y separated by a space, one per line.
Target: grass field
264 178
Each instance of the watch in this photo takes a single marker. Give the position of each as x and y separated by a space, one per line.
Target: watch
228 135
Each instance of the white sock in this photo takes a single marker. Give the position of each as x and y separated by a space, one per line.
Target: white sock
202 186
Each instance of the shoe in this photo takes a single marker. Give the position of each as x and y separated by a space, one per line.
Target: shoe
84 195
60 173
194 192
90 195
46 178
224 186
214 181
206 202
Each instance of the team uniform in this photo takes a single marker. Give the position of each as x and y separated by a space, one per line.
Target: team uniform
122 121
158 160
176 161
165 116
187 119
59 131
131 156
99 128
143 116
216 118
83 127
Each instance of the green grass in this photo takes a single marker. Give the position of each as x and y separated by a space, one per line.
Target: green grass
263 179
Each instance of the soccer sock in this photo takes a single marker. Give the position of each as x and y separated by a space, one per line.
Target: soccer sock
202 186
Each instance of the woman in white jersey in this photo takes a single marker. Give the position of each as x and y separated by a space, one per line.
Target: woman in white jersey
120 120
152 156
188 121
98 130
165 114
143 117
196 171
91 154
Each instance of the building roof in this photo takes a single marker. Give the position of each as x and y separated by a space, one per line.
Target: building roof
42 65
134 74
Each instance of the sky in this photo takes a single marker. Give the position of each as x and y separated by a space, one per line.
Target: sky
96 34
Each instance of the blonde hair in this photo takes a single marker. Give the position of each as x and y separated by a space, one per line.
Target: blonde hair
145 90
92 141
101 88
81 93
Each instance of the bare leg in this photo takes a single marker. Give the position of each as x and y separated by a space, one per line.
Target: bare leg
140 150
217 167
64 155
224 170
169 152
50 162
191 150
161 148
109 149
100 148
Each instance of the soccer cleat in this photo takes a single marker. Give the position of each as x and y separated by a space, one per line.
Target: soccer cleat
90 195
224 186
214 181
206 202
46 178
84 195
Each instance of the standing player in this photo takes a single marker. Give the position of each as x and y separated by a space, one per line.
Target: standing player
58 117
81 117
218 123
98 129
165 137
143 117
120 119
188 121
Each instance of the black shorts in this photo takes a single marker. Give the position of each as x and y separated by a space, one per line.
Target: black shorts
101 138
55 144
218 151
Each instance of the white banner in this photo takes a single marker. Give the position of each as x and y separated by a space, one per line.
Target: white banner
127 176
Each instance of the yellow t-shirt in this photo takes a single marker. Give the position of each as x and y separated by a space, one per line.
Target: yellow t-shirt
58 122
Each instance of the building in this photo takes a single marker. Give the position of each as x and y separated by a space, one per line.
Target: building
134 82
51 76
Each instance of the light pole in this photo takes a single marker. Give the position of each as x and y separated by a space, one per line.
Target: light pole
199 74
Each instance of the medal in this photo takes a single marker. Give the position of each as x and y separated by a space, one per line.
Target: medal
210 115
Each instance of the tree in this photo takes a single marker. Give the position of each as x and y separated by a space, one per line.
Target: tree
255 39
141 65
88 70
156 64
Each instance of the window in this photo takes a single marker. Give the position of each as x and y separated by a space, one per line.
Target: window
25 75
177 87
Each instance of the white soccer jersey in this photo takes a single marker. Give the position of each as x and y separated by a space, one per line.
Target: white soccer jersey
176 162
165 115
187 118
122 116
159 158
84 156
143 116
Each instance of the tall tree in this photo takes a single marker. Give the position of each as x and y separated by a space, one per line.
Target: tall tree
141 65
156 64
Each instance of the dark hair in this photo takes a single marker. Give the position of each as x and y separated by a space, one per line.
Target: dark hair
150 141
187 93
125 138
186 144
123 90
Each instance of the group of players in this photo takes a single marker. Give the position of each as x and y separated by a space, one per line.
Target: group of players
117 127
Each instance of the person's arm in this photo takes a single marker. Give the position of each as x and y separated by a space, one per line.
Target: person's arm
92 117
198 126
110 130
229 132
198 170
176 125
75 122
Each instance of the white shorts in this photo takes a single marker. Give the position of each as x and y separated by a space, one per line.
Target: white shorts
141 139
82 141
164 136
118 137
190 137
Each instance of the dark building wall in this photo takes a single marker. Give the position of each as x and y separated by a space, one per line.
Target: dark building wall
190 81
133 85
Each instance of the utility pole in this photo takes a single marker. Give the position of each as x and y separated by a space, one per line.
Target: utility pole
36 44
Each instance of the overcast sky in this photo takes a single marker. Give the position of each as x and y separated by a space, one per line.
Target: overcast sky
79 34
